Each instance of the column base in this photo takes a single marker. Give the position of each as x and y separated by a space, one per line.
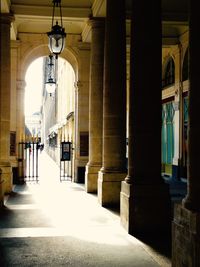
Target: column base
185 233
6 177
109 187
91 177
145 208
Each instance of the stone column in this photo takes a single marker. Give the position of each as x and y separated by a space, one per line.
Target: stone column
192 200
82 113
113 169
95 105
13 107
21 84
5 87
176 106
186 224
145 204
1 191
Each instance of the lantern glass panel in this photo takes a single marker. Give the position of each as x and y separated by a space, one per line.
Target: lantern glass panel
56 43
50 87
50 70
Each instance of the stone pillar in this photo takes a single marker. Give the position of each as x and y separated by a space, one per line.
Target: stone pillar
21 84
82 113
145 202
5 87
1 190
177 121
20 128
95 105
186 224
14 104
113 169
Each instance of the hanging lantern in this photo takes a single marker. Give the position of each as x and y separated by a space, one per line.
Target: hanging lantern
50 82
57 34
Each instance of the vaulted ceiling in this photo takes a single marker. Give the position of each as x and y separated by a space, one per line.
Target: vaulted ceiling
34 16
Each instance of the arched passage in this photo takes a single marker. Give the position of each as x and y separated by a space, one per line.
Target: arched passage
63 125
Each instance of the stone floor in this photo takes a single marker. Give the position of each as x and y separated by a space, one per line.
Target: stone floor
58 224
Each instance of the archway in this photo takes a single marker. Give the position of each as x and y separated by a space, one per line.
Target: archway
78 55
49 120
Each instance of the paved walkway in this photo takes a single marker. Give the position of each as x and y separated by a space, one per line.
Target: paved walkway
59 224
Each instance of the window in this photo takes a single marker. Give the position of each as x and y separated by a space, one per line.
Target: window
169 75
167 132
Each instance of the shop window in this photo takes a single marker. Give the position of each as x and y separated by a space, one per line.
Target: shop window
167 133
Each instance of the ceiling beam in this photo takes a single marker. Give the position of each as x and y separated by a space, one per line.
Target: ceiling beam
46 11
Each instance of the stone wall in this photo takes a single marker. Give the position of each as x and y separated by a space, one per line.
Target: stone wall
186 238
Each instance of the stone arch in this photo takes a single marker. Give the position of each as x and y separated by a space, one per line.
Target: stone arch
165 62
43 50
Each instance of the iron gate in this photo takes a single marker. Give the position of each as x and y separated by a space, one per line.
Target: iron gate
65 161
28 152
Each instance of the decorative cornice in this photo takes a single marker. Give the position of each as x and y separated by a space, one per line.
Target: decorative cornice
46 11
96 22
83 46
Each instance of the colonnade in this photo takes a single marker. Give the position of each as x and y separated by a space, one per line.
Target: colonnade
143 185
144 199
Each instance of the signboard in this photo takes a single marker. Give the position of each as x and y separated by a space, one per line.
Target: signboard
65 151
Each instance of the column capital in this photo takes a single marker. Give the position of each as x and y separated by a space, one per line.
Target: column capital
96 22
6 18
21 84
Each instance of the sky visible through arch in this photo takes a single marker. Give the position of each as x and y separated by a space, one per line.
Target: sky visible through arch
34 84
